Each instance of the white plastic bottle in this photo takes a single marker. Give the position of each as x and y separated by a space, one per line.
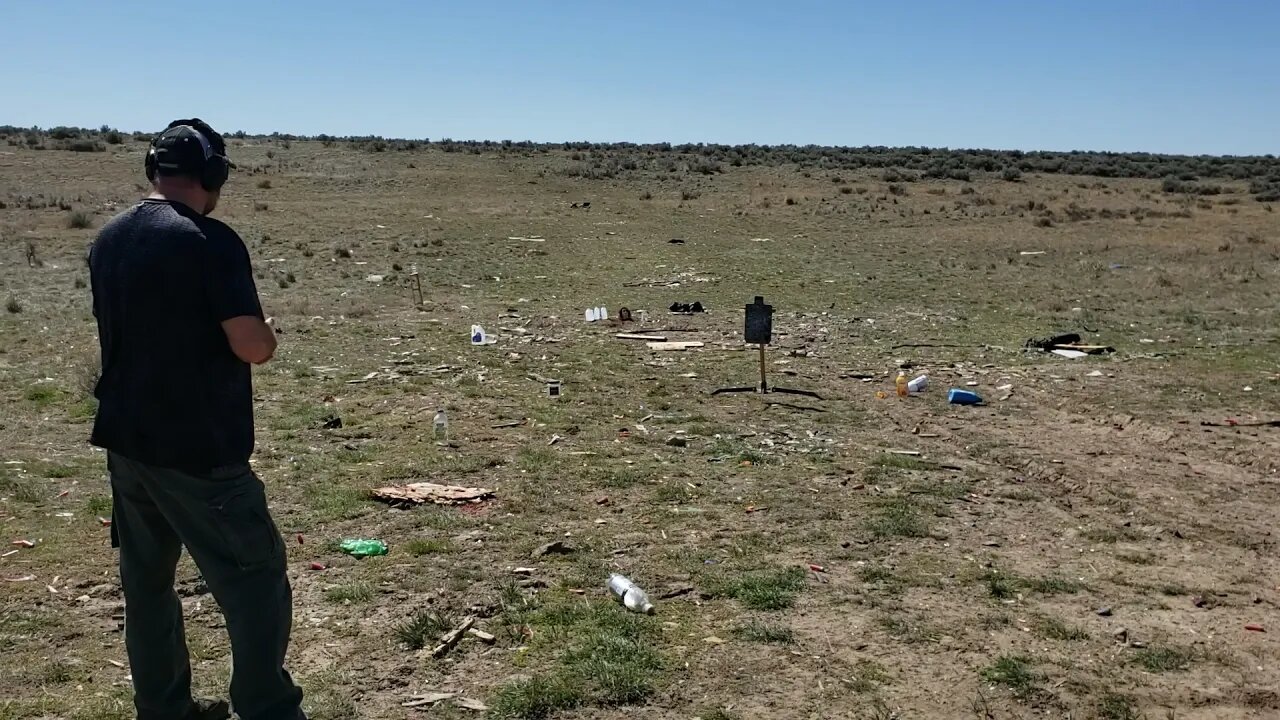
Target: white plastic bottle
440 425
630 594
918 384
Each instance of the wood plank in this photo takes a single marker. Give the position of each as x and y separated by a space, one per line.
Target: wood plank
673 345
452 637
638 336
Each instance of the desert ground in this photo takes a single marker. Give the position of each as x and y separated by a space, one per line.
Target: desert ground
1097 540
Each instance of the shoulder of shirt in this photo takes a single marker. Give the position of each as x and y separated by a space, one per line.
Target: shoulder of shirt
215 229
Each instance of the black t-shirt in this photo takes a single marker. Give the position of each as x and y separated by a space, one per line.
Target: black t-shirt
172 392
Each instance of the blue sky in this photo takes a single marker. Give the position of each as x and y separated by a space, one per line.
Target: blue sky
1161 75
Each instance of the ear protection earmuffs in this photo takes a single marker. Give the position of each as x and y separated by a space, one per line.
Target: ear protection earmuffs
213 172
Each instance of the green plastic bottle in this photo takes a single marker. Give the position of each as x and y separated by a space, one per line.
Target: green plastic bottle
360 547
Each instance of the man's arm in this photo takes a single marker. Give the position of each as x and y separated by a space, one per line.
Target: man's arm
233 296
251 338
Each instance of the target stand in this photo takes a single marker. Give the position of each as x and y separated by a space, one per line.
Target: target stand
758 330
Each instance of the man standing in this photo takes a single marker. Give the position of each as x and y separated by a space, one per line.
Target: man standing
179 324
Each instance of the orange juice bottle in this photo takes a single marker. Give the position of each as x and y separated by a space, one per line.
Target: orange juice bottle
902 383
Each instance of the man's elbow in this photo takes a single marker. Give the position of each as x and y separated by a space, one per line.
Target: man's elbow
257 351
251 339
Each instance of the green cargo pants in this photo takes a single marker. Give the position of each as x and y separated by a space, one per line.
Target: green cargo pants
221 518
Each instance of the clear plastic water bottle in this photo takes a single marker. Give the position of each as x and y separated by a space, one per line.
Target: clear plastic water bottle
440 425
478 336
630 594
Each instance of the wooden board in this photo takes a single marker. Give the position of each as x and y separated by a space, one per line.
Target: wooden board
428 492
1089 349
673 345
637 336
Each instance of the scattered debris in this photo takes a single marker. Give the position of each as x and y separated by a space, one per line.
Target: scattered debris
817 568
452 637
1052 341
514 423
555 547
424 492
629 594
1104 612
963 397
713 640
331 422
482 636
675 592
675 241
1231 422
678 441
1255 628
1121 635
360 547
641 336
470 704
679 308
1068 345
428 699
318 566
911 453
523 571
23 543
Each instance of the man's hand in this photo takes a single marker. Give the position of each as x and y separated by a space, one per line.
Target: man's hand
251 338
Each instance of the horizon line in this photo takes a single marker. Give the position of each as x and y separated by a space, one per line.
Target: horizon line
301 137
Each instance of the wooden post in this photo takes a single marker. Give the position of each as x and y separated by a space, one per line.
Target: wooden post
764 385
416 287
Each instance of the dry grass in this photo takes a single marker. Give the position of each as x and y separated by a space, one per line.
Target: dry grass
1067 492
